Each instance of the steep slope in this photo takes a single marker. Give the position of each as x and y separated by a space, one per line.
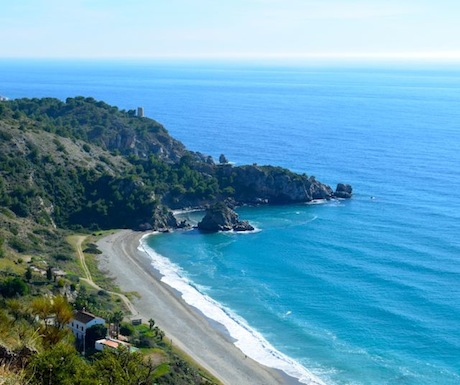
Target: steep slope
84 163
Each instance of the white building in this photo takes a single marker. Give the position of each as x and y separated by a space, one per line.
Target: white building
82 321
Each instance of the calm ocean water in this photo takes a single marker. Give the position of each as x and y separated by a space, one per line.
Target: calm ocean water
365 291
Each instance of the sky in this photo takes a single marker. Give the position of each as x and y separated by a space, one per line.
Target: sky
231 29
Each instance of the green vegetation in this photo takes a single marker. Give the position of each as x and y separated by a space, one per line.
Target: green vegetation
69 153
60 170
35 352
89 165
39 352
80 166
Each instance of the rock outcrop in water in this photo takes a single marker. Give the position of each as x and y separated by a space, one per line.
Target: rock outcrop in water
219 217
343 191
268 184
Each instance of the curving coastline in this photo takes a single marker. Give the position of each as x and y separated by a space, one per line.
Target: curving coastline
187 328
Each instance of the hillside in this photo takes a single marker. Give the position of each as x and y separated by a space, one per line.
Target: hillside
82 166
84 163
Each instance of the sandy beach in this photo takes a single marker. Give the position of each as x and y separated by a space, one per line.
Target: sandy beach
186 327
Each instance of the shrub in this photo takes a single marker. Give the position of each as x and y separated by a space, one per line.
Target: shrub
62 257
12 287
127 329
91 248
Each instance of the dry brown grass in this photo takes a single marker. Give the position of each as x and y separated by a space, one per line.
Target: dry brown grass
10 376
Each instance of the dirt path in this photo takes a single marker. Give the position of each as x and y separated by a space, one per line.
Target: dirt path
79 239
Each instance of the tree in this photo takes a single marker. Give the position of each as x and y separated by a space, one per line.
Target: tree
159 334
59 307
41 307
122 367
15 307
222 159
58 365
49 273
28 274
13 286
82 300
116 319
94 333
62 311
151 323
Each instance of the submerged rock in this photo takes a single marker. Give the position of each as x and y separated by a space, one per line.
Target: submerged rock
219 217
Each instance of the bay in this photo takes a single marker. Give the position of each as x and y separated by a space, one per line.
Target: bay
365 291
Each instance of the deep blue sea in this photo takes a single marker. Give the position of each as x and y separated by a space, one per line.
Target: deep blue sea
363 291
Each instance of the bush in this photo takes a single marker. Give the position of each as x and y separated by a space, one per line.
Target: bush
147 342
73 278
127 329
12 287
62 257
91 248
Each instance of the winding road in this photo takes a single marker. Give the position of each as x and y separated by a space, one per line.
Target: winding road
79 239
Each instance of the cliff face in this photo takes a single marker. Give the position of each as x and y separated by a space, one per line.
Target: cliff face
103 125
268 184
129 142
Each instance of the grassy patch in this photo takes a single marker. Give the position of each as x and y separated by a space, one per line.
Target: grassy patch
161 370
12 267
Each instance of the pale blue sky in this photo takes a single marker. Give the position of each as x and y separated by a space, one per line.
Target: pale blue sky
278 29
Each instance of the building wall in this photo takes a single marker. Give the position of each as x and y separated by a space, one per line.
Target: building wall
79 328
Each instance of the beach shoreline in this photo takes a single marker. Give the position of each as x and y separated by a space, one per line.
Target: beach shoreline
184 325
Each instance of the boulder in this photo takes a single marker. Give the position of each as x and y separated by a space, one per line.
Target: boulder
343 191
243 226
219 217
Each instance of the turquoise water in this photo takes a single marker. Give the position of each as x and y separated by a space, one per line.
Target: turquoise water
365 291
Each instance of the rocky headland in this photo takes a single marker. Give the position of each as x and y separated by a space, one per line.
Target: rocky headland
91 165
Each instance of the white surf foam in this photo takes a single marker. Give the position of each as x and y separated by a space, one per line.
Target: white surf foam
248 340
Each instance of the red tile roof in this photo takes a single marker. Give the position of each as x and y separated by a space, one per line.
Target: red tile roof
110 343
